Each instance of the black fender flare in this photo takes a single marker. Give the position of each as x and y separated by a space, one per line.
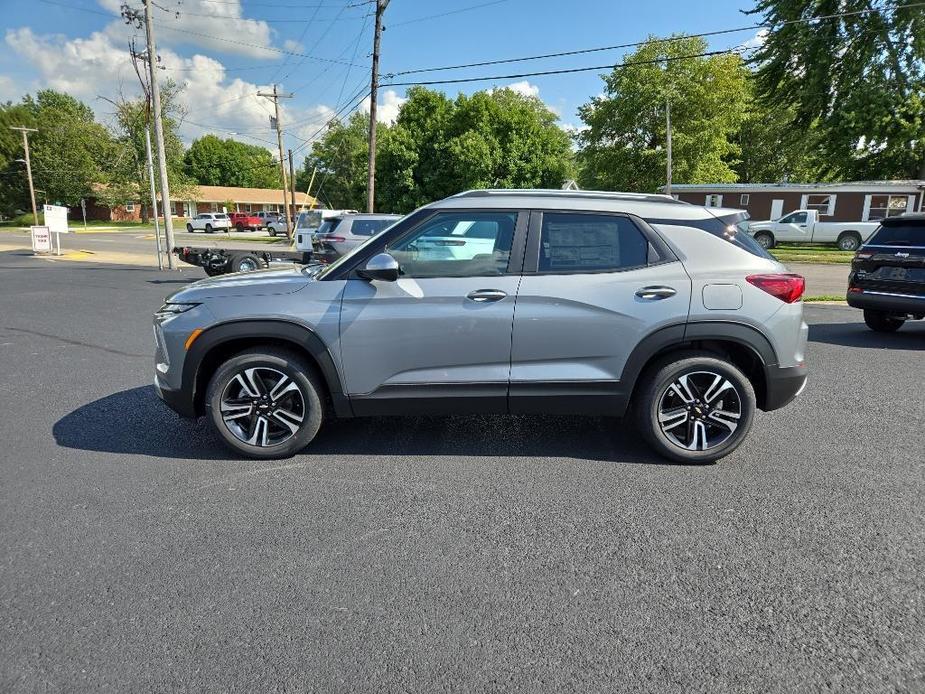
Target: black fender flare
269 330
681 334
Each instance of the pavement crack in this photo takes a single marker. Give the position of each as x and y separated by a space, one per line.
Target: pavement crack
77 343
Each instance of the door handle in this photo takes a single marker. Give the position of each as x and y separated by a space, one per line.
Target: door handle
655 293
486 295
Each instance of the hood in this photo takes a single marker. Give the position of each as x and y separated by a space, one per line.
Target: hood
258 283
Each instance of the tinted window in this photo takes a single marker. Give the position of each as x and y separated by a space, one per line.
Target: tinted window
907 234
457 244
368 227
795 218
221 216
590 243
329 225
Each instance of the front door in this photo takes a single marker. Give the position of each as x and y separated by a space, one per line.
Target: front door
777 209
793 227
439 338
594 285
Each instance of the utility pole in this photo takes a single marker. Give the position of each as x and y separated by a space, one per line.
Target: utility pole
275 122
373 95
668 130
25 144
292 192
133 17
146 88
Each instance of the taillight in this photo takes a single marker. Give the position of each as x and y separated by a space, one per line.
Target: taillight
787 287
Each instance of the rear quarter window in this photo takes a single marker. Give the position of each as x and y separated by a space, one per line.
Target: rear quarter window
732 228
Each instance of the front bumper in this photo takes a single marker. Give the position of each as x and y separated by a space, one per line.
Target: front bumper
179 401
887 302
783 385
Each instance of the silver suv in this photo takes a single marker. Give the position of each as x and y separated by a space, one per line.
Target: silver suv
339 235
500 301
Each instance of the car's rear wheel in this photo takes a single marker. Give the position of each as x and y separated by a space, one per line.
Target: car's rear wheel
849 241
189 228
271 231
239 227
882 322
694 407
764 239
246 262
265 403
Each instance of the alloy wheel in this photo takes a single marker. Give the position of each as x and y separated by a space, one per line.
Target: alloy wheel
262 407
699 410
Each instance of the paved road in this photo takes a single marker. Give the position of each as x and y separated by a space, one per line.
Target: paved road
460 554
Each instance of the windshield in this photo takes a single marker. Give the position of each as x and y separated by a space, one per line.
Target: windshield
356 249
911 233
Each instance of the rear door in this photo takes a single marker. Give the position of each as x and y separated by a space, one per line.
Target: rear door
442 332
594 285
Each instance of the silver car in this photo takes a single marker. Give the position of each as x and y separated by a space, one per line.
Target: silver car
496 302
338 236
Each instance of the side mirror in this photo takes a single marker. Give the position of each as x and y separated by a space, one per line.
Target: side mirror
381 267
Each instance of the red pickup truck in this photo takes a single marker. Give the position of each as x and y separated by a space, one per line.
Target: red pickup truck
245 221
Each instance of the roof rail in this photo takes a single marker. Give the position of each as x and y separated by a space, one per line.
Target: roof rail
556 193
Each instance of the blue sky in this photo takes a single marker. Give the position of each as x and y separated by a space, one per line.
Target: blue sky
225 50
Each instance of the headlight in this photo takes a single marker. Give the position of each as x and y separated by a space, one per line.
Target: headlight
168 310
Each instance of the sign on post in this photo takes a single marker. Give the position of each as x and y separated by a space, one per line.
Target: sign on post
56 221
41 240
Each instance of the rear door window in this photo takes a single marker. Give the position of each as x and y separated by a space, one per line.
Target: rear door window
368 227
572 242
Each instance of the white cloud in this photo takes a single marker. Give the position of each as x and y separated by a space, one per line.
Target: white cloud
387 108
99 66
8 89
524 87
757 41
220 26
293 46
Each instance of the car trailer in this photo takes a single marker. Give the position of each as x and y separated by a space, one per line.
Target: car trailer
219 261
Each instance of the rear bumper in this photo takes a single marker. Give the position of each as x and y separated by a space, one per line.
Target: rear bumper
887 302
783 385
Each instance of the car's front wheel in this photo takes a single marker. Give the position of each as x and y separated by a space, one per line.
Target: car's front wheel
694 407
208 228
764 239
265 403
882 322
189 228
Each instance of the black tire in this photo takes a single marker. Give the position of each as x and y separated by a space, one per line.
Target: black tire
849 241
208 228
764 239
271 231
239 227
267 360
246 262
882 322
189 228
213 271
655 386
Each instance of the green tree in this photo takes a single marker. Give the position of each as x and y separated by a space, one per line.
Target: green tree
497 138
213 161
624 146
772 150
70 153
128 178
859 78
339 161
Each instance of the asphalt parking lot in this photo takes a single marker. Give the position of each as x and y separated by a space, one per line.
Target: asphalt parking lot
445 554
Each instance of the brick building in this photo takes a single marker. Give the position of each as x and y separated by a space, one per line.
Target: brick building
836 202
205 199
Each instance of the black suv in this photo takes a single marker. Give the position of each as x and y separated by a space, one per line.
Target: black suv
887 277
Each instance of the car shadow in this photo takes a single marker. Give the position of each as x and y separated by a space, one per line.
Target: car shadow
911 336
135 421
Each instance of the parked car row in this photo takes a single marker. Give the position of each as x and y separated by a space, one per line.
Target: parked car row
803 226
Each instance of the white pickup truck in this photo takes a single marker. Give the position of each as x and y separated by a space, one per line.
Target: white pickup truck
803 226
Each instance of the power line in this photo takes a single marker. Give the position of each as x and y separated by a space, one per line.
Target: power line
706 54
634 44
445 14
